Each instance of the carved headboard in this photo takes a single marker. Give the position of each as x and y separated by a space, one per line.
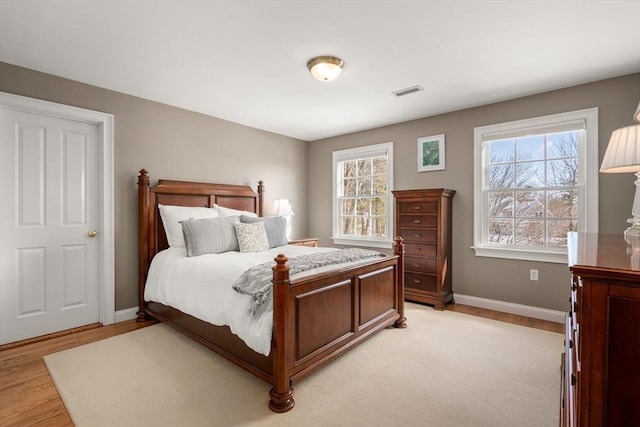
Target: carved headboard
151 235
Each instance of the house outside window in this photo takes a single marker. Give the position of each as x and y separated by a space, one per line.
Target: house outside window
362 198
535 180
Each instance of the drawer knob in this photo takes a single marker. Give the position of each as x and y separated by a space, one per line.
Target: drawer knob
416 221
417 207
417 281
416 264
418 235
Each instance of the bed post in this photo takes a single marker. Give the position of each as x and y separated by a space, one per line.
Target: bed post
260 197
282 392
398 249
143 240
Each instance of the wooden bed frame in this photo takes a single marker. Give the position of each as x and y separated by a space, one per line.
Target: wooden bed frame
315 319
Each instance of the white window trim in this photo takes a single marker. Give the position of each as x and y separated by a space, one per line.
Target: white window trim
587 172
372 242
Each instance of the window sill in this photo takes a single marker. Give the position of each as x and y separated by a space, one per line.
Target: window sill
520 254
384 244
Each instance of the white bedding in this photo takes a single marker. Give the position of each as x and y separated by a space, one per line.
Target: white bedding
202 287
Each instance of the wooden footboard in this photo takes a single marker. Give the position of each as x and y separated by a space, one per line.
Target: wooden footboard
319 317
315 318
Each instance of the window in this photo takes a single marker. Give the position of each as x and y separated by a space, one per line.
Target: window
535 180
362 204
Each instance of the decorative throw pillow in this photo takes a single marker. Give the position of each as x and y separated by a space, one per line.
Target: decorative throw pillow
275 226
210 235
251 237
172 215
232 212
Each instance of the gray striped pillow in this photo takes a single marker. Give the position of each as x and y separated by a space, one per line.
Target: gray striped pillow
210 235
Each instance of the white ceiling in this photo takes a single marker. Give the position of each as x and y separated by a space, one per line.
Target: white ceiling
245 61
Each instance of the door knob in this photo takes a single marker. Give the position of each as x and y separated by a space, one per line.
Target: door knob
92 233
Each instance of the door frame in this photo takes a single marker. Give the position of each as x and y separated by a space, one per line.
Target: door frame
105 124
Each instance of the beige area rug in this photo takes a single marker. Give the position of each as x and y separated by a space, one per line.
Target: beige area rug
445 369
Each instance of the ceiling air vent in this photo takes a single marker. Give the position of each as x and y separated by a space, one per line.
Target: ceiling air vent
407 91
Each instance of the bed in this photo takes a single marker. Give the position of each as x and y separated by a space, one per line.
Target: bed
363 299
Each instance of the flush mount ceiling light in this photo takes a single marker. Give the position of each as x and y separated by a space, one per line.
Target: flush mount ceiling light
325 68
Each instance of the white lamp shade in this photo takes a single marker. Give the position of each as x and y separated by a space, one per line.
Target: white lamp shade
623 151
636 116
283 208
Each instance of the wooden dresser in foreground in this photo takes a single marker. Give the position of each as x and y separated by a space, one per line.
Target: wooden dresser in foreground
423 220
601 363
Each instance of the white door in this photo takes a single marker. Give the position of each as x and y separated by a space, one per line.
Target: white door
49 224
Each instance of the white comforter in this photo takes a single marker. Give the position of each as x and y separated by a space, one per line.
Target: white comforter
202 287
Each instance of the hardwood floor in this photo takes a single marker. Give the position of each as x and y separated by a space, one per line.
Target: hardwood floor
29 398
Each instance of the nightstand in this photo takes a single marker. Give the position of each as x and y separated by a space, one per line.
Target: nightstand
311 242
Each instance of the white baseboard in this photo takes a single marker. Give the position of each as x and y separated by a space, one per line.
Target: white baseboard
509 307
503 306
126 314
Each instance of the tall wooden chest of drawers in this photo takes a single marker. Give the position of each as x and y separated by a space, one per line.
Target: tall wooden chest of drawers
423 220
601 362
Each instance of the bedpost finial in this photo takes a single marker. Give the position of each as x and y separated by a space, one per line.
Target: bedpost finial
398 245
143 178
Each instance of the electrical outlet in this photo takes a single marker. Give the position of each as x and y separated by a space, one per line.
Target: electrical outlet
533 274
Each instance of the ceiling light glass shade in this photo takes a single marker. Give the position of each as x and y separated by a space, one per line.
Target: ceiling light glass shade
636 116
325 68
623 151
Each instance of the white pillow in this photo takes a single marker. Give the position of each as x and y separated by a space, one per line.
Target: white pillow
172 215
233 212
251 237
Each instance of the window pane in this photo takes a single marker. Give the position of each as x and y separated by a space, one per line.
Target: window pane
347 225
502 176
530 204
348 206
501 231
349 168
378 207
364 186
364 167
557 231
501 204
379 185
378 225
501 151
562 173
563 144
530 233
349 187
529 174
530 148
362 226
563 204
380 166
363 207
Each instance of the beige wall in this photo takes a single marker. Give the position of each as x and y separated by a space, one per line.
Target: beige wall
175 144
505 280
178 144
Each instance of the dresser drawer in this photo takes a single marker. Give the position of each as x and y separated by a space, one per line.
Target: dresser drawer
418 221
420 264
421 249
418 235
424 282
418 207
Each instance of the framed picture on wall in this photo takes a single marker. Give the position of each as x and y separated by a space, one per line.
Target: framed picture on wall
431 153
